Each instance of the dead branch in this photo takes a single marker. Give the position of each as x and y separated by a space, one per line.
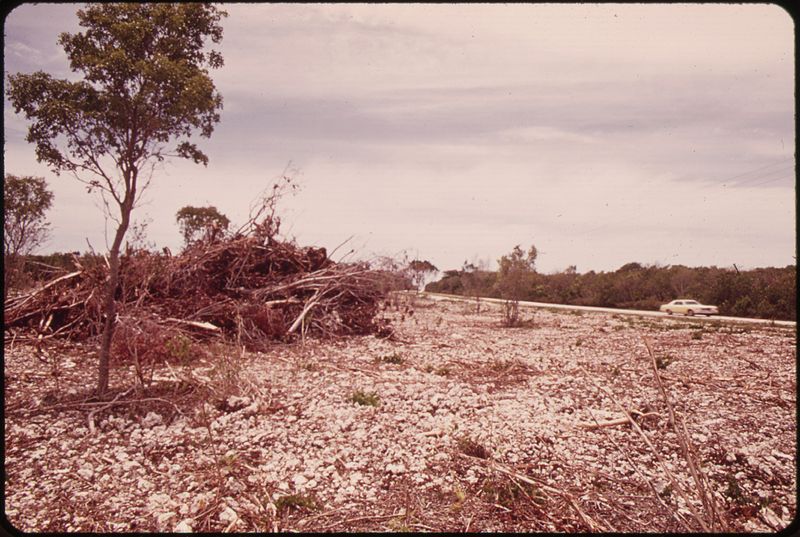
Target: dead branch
617 421
700 480
494 465
673 481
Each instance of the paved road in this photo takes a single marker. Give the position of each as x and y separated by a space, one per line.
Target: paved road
642 313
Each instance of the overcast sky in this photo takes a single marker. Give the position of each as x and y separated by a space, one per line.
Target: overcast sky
603 134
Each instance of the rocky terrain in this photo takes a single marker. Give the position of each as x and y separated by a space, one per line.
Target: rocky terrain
454 424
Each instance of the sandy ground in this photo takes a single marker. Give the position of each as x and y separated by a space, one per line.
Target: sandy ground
455 424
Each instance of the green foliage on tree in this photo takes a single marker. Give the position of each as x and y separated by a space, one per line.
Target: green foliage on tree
144 92
201 222
26 199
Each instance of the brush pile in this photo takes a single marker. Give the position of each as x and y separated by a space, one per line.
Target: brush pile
249 288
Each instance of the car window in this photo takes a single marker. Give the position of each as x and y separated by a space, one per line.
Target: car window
678 302
691 302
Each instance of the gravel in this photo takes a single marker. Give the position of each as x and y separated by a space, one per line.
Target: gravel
279 444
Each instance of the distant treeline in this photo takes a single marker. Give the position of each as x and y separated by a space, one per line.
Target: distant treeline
767 293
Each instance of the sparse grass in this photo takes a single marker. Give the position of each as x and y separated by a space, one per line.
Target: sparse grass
365 399
226 375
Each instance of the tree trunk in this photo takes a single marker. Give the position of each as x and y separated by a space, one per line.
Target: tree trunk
7 269
11 273
110 305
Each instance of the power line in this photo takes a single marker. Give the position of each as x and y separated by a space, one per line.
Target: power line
782 161
746 182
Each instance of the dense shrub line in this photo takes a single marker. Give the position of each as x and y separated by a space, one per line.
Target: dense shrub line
767 293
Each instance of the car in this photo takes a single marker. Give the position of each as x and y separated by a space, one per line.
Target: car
688 307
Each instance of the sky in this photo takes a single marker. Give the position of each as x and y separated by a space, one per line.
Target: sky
602 134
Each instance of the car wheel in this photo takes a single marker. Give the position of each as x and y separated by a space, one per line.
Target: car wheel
690 313
669 312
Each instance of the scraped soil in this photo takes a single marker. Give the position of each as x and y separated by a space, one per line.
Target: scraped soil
454 424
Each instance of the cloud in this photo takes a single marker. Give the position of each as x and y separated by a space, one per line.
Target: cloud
603 133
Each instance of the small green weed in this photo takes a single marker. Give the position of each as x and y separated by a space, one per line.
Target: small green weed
365 399
442 371
501 366
509 493
295 502
178 347
399 525
310 365
393 358
460 495
228 463
735 492
663 361
470 447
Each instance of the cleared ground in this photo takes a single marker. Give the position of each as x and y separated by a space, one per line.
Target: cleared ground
456 424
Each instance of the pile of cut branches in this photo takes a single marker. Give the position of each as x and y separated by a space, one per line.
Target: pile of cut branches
249 288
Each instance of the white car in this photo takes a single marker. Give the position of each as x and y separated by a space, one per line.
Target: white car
688 307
